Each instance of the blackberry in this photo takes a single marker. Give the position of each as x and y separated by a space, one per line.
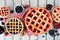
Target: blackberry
3 23
49 6
18 9
1 19
51 32
11 11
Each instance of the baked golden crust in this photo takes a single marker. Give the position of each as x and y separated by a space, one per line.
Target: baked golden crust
4 12
14 26
38 20
56 14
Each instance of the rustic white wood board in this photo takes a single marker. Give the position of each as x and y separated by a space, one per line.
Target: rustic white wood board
32 3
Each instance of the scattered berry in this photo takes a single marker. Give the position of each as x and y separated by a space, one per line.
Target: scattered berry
49 6
1 29
19 9
56 31
3 23
11 11
43 36
51 32
6 33
57 34
1 19
26 6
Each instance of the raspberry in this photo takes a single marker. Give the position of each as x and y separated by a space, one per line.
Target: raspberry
49 6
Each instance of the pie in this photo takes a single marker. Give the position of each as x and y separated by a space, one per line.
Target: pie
56 14
4 12
14 26
38 20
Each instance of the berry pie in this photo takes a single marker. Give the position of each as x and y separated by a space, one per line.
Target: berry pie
38 20
56 14
4 12
14 26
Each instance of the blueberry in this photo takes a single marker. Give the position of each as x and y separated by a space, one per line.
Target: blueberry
43 36
1 30
11 11
56 31
49 6
18 9
1 19
57 34
51 32
3 23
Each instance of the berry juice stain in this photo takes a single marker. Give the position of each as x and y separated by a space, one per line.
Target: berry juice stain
56 25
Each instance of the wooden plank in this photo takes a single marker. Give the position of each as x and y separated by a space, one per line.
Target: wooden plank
33 37
25 37
9 37
2 36
50 2
33 3
1 3
42 3
57 2
42 37
57 37
17 3
25 2
9 3
17 37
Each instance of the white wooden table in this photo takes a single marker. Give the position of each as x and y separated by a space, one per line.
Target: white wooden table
33 3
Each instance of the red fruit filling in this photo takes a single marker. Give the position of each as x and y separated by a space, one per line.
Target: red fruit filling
35 18
28 20
38 31
42 16
45 12
37 14
40 10
41 27
45 19
39 20
36 24
30 27
30 15
47 26
55 11
32 22
34 30
45 29
49 20
43 23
